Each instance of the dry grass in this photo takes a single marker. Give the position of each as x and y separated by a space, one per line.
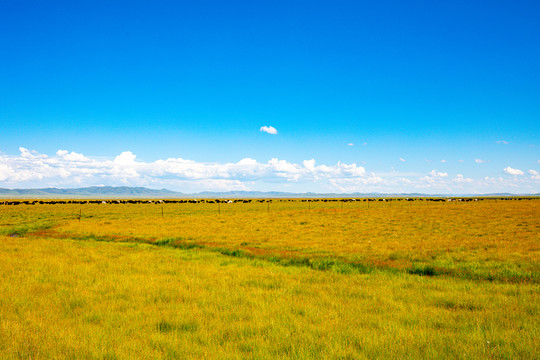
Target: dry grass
65 295
72 299
487 239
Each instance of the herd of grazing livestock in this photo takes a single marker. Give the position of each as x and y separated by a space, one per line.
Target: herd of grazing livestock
245 201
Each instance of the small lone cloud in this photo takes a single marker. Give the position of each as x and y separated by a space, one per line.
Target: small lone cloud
350 144
443 160
512 171
480 161
402 159
269 130
365 144
502 142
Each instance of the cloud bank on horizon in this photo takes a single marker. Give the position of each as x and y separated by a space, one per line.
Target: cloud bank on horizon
31 169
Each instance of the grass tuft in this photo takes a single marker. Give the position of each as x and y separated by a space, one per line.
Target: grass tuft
168 327
234 253
165 327
422 270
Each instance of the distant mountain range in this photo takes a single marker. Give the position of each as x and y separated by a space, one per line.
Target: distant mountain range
93 191
141 192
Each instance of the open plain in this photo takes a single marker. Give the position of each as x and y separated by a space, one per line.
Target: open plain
280 278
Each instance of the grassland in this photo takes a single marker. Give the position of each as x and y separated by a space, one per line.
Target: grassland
286 279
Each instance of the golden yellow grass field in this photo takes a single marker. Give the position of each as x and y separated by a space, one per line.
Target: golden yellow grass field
286 279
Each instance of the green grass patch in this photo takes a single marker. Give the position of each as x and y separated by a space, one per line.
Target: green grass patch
25 229
422 270
178 243
168 327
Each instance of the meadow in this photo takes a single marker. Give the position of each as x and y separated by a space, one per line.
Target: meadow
271 279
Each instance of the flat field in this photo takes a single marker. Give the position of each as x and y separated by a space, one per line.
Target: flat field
271 279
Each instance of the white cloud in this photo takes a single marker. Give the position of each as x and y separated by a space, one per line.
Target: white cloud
502 142
534 174
309 164
438 174
247 161
5 172
365 144
402 159
71 156
268 129
434 177
30 169
350 144
461 179
125 158
480 161
512 171
73 169
443 161
30 154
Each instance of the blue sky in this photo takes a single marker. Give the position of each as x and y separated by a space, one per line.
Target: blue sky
451 88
